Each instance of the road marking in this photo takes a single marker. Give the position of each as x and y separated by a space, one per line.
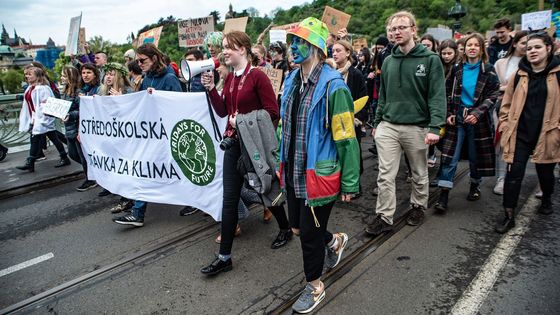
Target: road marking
473 297
26 264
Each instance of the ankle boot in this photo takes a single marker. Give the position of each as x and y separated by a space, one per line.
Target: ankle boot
507 223
29 165
546 206
474 192
64 161
441 205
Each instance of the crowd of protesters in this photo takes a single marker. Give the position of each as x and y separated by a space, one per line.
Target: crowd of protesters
494 103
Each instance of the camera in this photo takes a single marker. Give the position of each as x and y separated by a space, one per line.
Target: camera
227 143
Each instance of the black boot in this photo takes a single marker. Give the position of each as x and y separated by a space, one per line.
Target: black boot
474 192
282 239
441 205
64 161
217 266
507 223
546 206
29 165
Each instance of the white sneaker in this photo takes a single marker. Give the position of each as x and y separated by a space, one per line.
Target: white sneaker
538 194
499 188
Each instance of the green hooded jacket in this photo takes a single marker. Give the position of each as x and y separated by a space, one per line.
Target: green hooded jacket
412 90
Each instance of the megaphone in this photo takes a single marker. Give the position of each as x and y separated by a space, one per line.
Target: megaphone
190 69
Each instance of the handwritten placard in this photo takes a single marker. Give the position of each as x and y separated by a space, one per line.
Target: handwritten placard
275 76
150 36
193 31
277 36
73 34
536 20
359 43
82 41
56 107
238 24
335 19
286 27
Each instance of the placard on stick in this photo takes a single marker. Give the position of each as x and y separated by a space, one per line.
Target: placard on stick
335 19
237 24
73 34
286 27
359 43
56 107
536 20
193 31
150 36
82 41
275 76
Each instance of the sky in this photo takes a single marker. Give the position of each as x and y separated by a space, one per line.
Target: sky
114 20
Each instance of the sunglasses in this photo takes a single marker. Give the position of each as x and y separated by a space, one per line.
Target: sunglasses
141 60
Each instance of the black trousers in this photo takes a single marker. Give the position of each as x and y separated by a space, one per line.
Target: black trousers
313 239
75 152
232 183
37 142
516 172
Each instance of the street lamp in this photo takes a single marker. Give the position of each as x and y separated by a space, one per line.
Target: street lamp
457 12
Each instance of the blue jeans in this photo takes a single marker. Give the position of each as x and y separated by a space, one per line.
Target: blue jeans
139 209
447 175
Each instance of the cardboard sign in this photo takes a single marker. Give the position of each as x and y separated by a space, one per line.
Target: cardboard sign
150 36
239 24
82 41
275 76
286 27
73 34
335 19
440 34
56 107
278 36
359 43
536 20
193 31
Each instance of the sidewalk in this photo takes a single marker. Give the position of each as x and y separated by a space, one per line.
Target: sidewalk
45 172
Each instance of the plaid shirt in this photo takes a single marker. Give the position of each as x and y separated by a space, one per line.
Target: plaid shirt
300 146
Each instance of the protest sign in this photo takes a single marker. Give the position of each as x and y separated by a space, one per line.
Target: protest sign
286 27
536 20
193 31
155 148
275 76
440 34
150 36
73 34
359 43
238 24
82 41
277 36
335 19
56 107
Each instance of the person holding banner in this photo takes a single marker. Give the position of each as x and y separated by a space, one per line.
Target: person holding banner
319 154
246 89
151 61
116 80
32 119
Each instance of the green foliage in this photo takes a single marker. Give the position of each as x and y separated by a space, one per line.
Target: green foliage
11 80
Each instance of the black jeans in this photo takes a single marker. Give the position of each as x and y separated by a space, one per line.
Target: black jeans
280 215
232 183
516 172
313 239
37 142
75 152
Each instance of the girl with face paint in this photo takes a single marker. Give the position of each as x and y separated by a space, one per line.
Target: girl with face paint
314 170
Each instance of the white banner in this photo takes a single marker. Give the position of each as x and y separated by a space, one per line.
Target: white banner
158 147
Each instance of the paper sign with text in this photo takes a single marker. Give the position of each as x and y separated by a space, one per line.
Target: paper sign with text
73 34
275 76
536 20
335 19
150 36
56 107
193 31
286 27
239 24
359 43
82 41
278 36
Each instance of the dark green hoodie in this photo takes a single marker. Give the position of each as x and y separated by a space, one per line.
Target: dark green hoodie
412 90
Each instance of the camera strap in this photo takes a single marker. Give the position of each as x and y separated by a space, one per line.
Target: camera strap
217 134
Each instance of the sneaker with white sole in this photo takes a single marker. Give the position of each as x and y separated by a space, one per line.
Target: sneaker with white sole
333 257
129 220
308 300
499 188
87 185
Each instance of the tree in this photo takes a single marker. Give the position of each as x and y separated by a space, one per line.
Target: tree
12 80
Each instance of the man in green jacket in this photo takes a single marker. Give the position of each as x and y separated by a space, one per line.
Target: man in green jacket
410 113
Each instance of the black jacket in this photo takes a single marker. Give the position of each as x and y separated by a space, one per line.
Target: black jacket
358 89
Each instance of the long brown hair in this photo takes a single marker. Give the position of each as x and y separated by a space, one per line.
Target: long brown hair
73 82
481 42
39 73
240 39
149 49
516 39
449 43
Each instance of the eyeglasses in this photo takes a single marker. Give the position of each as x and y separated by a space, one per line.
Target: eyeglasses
399 28
141 60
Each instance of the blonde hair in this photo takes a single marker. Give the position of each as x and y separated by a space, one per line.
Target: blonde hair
348 47
39 73
402 14
120 83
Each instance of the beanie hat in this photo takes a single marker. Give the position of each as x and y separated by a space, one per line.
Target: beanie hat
382 40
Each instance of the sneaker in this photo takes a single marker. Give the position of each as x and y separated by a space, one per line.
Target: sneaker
41 157
538 194
129 220
63 162
188 210
499 188
333 256
104 193
474 192
308 300
432 161
87 185
416 215
378 226
122 206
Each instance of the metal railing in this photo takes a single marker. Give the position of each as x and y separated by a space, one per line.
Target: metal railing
10 136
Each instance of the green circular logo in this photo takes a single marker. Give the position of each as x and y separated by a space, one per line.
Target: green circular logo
193 149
